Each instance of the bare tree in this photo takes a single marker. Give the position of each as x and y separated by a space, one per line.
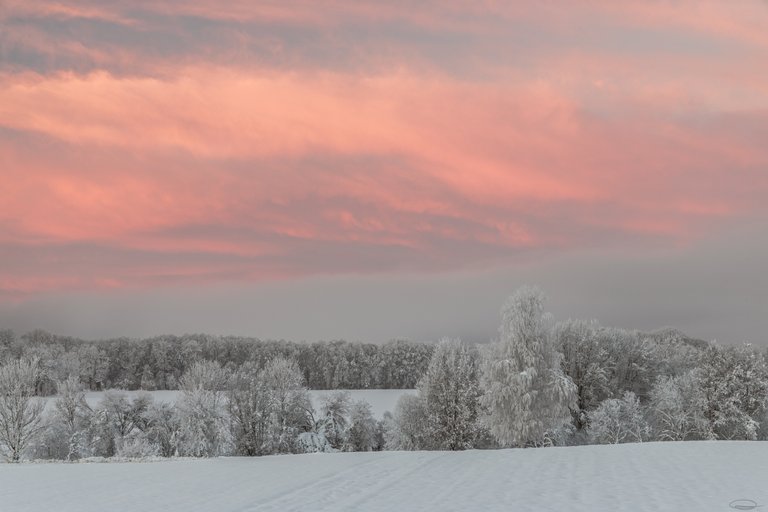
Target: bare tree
20 411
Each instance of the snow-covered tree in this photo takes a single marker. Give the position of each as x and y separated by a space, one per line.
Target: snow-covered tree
162 428
9 346
94 366
406 430
526 392
586 362
334 421
312 442
204 427
674 352
116 422
251 411
65 436
735 386
20 411
451 393
119 426
270 408
70 404
634 361
677 408
291 407
618 420
362 432
125 415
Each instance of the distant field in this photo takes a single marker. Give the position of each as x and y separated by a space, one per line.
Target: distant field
381 400
653 477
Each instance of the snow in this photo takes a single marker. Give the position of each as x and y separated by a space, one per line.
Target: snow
381 400
701 476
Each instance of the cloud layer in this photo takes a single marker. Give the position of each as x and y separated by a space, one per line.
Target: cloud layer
144 144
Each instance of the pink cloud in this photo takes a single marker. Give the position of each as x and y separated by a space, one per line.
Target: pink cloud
206 172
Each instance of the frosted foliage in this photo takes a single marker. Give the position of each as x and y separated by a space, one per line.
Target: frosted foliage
250 411
408 425
362 433
587 363
451 392
526 392
618 421
70 402
137 447
334 423
269 408
203 420
312 442
207 375
289 401
116 422
66 431
20 412
735 386
124 416
203 425
162 428
677 408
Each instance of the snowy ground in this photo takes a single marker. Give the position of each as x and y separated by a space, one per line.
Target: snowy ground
695 476
381 400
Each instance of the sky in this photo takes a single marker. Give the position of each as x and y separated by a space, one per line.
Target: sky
372 170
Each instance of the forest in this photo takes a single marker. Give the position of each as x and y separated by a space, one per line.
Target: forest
539 383
160 362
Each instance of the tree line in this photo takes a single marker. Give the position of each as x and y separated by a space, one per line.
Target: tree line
251 411
160 362
541 383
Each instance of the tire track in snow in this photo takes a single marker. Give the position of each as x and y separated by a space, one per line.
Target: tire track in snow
348 489
320 483
377 491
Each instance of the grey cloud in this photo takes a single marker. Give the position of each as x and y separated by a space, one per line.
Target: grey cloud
467 44
714 290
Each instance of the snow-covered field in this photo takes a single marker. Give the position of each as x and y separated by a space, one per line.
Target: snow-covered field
381 400
695 476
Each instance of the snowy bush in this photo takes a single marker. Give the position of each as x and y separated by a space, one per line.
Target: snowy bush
313 442
137 447
618 421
